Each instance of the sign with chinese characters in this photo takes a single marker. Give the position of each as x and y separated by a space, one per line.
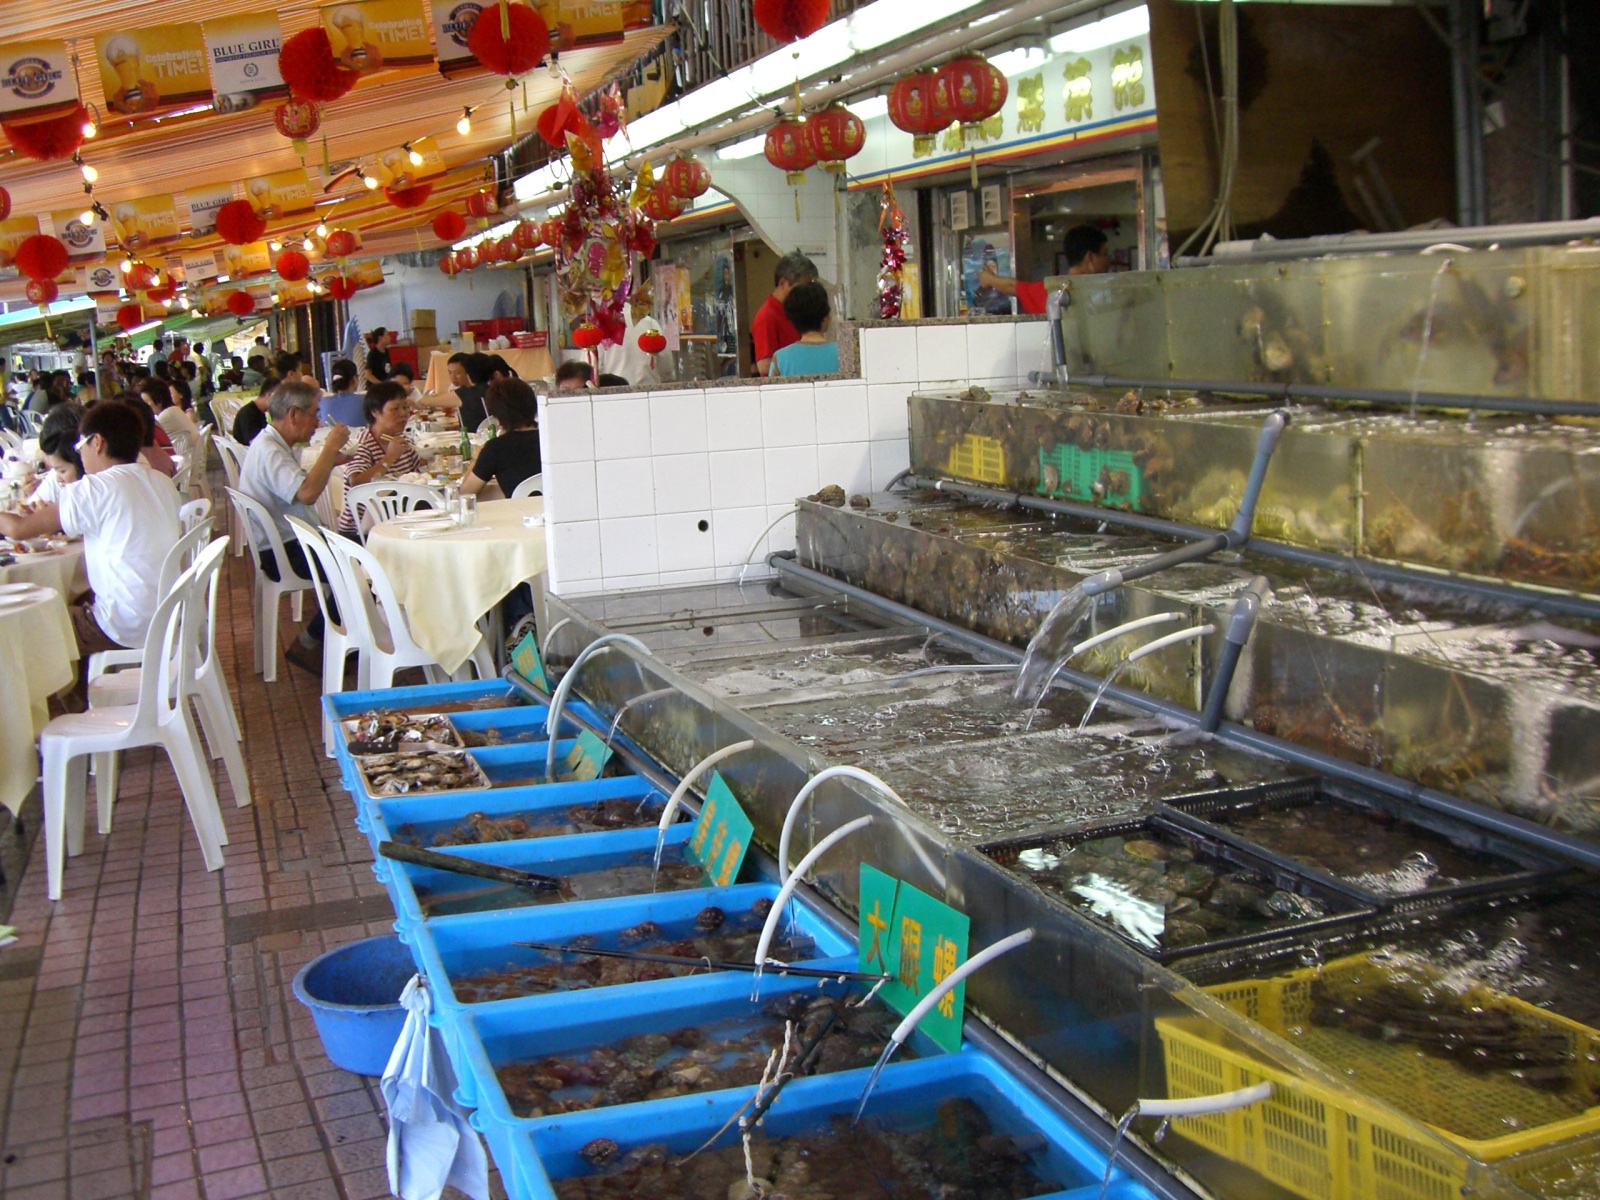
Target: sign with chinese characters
908 934
36 81
722 834
244 60
586 759
154 69
203 204
525 658
280 193
367 35
147 221
83 242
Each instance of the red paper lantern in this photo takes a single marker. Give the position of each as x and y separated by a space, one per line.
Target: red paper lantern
587 335
130 316
687 178
5 204
510 252
482 204
297 119
241 304
789 149
662 205
789 20
42 291
139 277
519 48
551 232
976 89
341 287
411 197
449 265
58 137
919 107
342 243
308 66
293 266
526 235
238 224
560 119
467 257
41 256
449 225
165 294
652 341
835 134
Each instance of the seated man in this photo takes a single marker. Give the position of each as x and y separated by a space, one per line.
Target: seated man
127 515
271 477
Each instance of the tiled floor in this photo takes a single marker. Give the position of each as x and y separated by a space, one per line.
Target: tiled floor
149 1040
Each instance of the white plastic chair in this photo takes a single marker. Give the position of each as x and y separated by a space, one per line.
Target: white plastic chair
262 532
378 624
232 455
158 717
337 642
530 485
202 457
193 512
184 479
379 501
10 439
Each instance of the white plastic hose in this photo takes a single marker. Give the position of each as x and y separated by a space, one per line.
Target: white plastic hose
753 545
694 773
1200 1106
787 890
979 960
1161 643
552 718
544 651
811 785
1125 627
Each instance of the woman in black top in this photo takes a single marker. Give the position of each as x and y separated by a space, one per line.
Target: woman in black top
380 339
514 455
469 376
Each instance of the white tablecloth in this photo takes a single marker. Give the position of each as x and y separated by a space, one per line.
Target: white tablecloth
446 583
37 657
529 364
62 570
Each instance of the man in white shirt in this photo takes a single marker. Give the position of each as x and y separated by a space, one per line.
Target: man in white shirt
127 515
271 476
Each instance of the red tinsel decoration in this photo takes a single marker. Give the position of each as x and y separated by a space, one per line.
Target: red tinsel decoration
449 225
411 197
5 204
42 291
130 316
891 265
293 266
41 256
342 288
522 51
790 20
59 137
342 243
308 66
238 224
240 304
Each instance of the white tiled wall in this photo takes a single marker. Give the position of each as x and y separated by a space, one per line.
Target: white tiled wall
674 487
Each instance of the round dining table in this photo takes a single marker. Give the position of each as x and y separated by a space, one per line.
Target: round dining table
37 659
63 569
446 580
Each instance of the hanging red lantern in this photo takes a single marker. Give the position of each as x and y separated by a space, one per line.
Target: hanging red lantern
42 291
238 224
587 335
342 243
449 265
341 287
48 140
509 39
482 205
5 204
976 89
165 294
526 235
560 119
140 277
292 266
652 341
551 232
241 304
835 134
687 178
308 66
297 120
41 256
467 257
662 205
915 108
449 225
509 250
130 316
411 197
790 20
789 149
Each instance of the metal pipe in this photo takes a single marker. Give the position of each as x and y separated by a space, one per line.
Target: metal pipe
1054 306
1565 846
1266 442
1482 237
1241 621
1563 603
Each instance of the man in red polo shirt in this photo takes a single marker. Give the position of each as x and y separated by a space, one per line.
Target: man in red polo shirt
1085 248
771 328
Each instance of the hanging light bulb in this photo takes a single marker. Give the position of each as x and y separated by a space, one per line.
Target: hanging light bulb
183 302
307 244
322 229
416 159
370 180
86 217
89 173
126 265
90 129
275 245
464 126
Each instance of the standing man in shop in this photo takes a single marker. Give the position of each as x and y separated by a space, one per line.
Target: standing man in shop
1085 249
771 329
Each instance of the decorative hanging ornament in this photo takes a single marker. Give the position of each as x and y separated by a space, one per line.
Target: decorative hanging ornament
238 224
449 265
892 262
5 204
297 120
131 316
482 205
835 134
687 178
240 303
650 339
467 257
41 256
42 291
586 336
342 243
662 205
560 119
293 266
308 66
140 277
790 20
919 107
55 138
789 149
509 38
976 91
526 235
412 197
551 231
341 287
449 225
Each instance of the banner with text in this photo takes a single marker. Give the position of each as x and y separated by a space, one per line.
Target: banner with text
154 69
203 204
452 22
576 23
200 266
240 262
244 60
100 279
281 193
395 168
84 243
36 81
367 35
147 221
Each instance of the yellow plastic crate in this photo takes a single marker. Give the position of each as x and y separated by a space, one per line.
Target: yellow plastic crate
1328 1145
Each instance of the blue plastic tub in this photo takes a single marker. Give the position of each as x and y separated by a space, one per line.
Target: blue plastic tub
425 816
907 1094
353 993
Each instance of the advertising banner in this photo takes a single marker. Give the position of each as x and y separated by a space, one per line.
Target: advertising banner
238 262
147 221
36 81
367 35
395 168
294 291
203 204
243 51
281 193
200 266
154 69
365 272
85 243
100 279
576 23
13 232
452 22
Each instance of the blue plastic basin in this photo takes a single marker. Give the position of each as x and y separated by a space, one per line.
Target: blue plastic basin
353 993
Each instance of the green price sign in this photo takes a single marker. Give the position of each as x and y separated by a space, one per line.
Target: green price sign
722 834
908 934
525 658
586 759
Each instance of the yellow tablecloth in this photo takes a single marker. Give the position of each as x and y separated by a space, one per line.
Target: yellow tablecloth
446 583
62 570
529 364
37 653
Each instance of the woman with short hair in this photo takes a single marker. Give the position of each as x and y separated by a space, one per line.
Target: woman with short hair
514 455
381 448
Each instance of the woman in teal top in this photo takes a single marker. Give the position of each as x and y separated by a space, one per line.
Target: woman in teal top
806 306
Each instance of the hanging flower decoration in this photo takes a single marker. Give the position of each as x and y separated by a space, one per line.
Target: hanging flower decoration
241 303
342 243
238 224
41 256
891 264
789 149
509 38
410 197
292 266
297 120
449 225
131 316
449 265
309 67
596 242
790 20
42 291
48 140
5 204
341 287
919 107
835 134
687 178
